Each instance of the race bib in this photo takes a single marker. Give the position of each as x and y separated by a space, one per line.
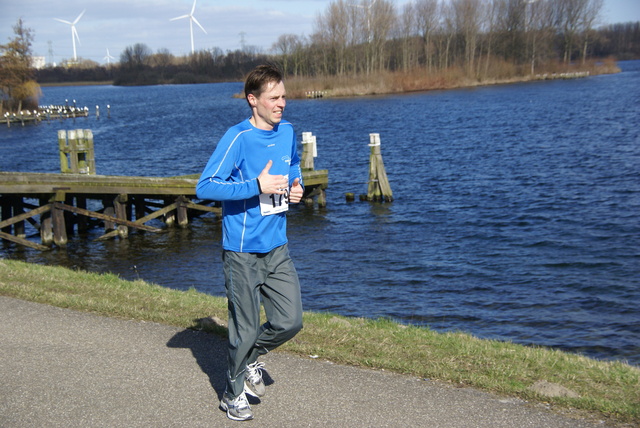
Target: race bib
273 204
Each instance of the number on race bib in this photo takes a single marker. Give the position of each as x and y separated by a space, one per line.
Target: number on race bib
273 204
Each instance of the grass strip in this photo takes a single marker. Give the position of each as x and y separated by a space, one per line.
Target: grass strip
605 389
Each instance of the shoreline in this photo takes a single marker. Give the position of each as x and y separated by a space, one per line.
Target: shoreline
415 82
398 82
81 83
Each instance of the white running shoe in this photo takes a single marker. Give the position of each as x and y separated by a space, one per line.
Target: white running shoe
253 383
237 409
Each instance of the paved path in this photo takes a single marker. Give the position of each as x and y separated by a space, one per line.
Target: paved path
62 368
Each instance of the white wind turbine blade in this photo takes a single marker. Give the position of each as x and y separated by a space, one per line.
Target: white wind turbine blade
63 21
179 17
201 27
191 31
193 9
79 16
74 32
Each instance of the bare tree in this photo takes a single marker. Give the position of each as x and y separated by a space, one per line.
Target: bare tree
135 57
335 29
318 55
162 58
383 22
569 16
283 48
590 15
467 21
511 29
289 48
539 30
447 31
489 29
407 32
427 15
362 31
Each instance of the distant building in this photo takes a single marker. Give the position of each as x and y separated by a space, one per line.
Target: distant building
38 62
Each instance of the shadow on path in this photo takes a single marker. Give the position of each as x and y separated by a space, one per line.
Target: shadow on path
209 350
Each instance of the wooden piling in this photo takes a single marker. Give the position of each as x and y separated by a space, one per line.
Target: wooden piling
379 189
110 211
18 209
85 152
169 216
6 210
82 221
46 224
76 151
181 211
120 208
309 151
315 181
139 207
58 221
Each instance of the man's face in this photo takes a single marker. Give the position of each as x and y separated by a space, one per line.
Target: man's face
269 107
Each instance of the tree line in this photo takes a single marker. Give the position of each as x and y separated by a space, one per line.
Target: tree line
478 38
475 36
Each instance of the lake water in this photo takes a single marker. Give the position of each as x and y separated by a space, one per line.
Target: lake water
516 212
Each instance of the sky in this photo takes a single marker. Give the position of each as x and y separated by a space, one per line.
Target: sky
114 25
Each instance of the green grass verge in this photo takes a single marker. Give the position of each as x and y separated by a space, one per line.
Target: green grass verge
606 389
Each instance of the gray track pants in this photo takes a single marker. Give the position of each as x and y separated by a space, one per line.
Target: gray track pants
249 276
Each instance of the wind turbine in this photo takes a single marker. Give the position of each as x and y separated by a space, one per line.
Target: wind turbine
74 32
371 3
108 57
192 19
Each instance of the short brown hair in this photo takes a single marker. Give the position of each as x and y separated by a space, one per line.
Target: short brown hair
257 79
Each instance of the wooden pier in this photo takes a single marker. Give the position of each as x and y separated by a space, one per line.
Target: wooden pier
46 113
61 200
56 205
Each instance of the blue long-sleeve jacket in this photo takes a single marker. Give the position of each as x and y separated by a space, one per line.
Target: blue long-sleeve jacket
231 178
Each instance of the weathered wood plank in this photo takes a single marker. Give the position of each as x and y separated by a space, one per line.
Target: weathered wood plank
46 225
206 208
120 205
105 217
23 241
318 177
30 183
59 225
157 213
141 221
43 183
181 211
25 216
